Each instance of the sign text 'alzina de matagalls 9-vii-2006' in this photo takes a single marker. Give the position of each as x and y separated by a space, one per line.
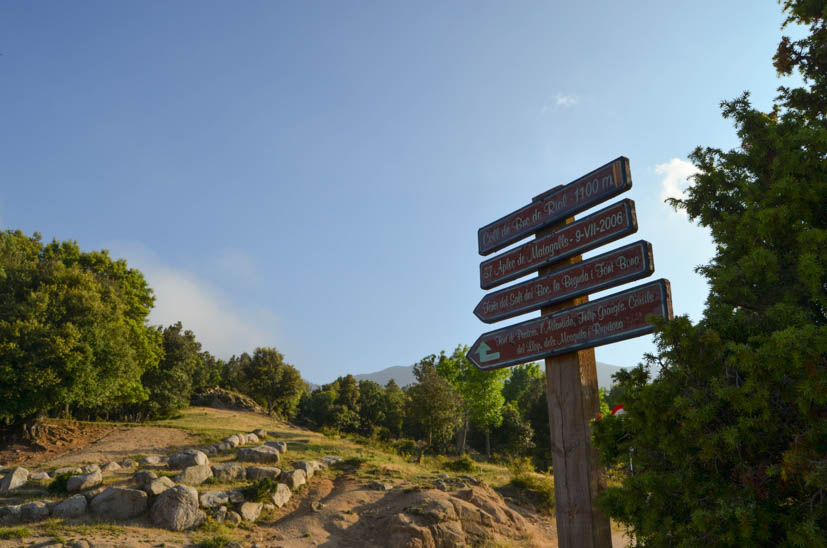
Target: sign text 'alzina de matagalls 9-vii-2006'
570 326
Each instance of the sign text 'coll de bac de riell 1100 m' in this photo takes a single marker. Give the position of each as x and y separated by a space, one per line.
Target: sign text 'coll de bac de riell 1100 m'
570 326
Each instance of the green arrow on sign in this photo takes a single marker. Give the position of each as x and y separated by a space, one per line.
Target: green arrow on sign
482 352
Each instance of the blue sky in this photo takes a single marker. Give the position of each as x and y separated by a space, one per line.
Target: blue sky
311 175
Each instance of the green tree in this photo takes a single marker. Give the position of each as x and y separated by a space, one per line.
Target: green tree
273 382
73 329
371 407
519 379
729 441
434 406
395 403
208 374
170 383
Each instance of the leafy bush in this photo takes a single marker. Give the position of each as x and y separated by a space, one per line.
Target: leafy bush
462 464
260 490
58 486
539 487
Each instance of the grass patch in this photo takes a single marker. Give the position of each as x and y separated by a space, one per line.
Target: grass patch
218 541
11 533
260 490
538 487
462 464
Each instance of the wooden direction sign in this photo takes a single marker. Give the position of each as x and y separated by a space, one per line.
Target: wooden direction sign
610 319
607 225
611 269
557 204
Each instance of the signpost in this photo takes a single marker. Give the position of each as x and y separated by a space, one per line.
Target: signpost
611 319
556 205
605 271
570 326
600 228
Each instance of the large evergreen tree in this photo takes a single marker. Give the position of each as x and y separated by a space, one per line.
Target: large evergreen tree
729 441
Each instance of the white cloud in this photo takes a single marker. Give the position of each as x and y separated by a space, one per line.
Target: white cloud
222 326
677 175
566 100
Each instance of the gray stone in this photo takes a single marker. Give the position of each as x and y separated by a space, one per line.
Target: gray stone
187 458
194 475
233 517
143 477
92 493
251 438
331 459
224 446
441 485
10 514
128 463
281 496
158 485
293 478
233 440
260 453
79 544
209 450
84 481
260 432
177 509
258 472
268 507
40 476
381 486
73 507
74 470
220 514
117 503
250 511
214 499
280 445
461 485
89 468
15 478
34 511
110 467
309 466
236 496
228 471
154 461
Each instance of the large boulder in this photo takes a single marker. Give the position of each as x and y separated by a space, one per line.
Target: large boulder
330 460
293 478
259 472
158 485
154 461
144 477
194 475
186 458
40 476
228 471
250 438
34 511
310 467
74 470
250 511
73 507
10 514
260 453
177 509
89 468
118 503
84 481
281 496
260 432
214 499
233 440
15 478
280 445
111 467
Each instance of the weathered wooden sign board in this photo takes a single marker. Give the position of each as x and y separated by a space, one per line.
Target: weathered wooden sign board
570 326
605 271
557 204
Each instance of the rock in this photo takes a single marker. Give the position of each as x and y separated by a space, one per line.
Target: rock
236 497
280 445
177 509
110 467
381 486
443 476
293 478
260 432
92 493
250 511
225 399
224 446
309 466
143 477
73 507
258 472
251 438
268 508
34 511
213 499
228 471
10 514
79 544
15 478
194 475
233 517
209 450
158 485
89 468
316 506
461 485
187 458
84 481
260 453
220 514
331 459
441 485
233 440
68 470
40 476
153 461
473 481
281 496
128 463
118 503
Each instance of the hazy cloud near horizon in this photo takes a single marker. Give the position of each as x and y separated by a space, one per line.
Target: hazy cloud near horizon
677 175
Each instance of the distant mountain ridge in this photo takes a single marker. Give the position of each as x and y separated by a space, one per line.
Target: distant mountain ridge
403 375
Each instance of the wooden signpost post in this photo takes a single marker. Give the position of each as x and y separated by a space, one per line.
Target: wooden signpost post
569 326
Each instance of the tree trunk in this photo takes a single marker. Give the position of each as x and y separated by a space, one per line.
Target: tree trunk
462 434
488 443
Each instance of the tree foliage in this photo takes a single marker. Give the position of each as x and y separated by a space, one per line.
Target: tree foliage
273 382
729 442
434 405
170 383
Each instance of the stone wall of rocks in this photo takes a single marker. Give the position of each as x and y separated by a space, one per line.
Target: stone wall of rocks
171 503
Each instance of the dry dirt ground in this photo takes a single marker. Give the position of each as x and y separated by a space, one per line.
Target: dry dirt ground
340 511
